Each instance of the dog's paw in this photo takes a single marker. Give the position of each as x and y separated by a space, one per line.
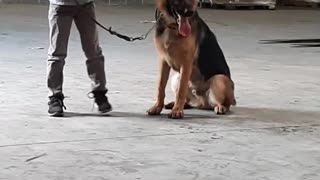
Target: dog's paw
176 114
155 110
219 109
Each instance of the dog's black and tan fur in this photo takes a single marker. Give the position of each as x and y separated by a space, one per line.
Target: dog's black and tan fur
186 44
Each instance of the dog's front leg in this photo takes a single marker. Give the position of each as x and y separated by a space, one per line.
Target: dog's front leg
163 79
181 96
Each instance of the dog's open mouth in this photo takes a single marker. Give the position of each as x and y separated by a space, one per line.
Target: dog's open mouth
184 25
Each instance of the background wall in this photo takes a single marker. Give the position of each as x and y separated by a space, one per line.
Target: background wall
111 2
298 3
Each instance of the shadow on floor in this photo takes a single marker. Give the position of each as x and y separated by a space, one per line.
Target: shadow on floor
238 114
297 43
142 115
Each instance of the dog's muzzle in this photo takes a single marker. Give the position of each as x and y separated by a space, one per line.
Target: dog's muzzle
185 13
183 21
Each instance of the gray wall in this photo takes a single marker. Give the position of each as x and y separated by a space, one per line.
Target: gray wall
130 2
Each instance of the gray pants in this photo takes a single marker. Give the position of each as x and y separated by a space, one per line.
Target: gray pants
60 21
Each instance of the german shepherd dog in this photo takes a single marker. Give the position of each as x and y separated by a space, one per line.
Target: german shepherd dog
185 44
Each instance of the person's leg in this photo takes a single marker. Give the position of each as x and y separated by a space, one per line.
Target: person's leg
60 21
95 59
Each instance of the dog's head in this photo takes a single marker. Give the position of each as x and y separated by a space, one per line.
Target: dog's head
182 11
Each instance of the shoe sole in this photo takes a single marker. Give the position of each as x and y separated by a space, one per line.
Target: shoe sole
57 114
104 112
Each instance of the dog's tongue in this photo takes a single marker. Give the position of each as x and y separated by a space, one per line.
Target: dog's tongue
184 26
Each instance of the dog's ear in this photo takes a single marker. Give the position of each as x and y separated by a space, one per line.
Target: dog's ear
195 3
161 4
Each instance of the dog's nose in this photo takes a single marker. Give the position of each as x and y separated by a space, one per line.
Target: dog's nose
188 13
185 12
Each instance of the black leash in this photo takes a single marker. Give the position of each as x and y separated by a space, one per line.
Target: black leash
121 36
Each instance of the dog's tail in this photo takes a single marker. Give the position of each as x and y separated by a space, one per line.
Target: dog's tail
232 96
234 102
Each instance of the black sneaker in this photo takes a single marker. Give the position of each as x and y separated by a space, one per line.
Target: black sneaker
102 101
56 105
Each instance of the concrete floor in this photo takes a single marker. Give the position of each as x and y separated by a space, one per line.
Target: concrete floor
273 134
